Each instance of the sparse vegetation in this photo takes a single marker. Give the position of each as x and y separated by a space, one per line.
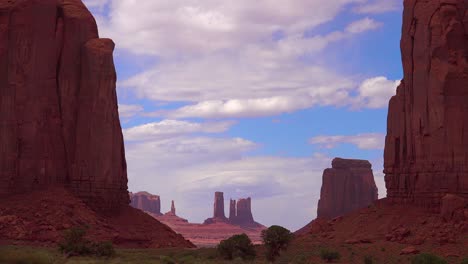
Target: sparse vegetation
276 239
464 261
237 246
428 259
74 243
329 255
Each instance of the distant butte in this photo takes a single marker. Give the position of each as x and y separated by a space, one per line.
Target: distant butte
347 186
214 229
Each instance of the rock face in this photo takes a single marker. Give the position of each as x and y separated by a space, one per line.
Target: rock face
62 158
173 210
219 205
146 202
426 148
58 109
347 186
242 213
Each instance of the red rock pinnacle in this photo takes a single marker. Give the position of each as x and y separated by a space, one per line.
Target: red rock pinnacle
173 210
347 186
219 206
426 149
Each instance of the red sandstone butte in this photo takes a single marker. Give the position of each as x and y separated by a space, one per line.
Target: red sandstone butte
426 148
209 234
146 202
60 131
240 213
218 209
347 186
58 111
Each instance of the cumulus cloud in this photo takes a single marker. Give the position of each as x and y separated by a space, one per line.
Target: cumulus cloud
376 92
257 81
173 128
378 6
363 25
190 171
362 141
165 28
127 111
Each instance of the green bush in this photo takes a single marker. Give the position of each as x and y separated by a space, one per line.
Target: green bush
368 260
237 246
428 259
329 255
464 261
75 244
103 249
276 239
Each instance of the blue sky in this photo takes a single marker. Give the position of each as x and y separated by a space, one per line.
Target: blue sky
252 99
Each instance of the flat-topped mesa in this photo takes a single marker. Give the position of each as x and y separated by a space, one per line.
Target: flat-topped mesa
241 213
58 111
347 186
426 148
146 202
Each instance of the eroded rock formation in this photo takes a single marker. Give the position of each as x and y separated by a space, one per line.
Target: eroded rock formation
347 186
218 209
62 159
147 202
242 213
426 149
58 110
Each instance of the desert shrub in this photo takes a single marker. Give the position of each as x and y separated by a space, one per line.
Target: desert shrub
368 260
428 259
329 255
464 261
103 249
167 260
74 243
276 239
237 246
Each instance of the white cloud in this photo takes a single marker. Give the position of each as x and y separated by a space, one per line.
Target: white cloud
96 3
362 141
167 28
378 6
256 81
376 92
127 111
363 25
172 128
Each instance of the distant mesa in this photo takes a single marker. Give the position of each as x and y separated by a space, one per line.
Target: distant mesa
216 228
240 212
347 186
146 202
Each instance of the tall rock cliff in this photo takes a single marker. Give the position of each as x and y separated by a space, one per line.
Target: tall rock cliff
347 186
58 109
426 148
147 202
